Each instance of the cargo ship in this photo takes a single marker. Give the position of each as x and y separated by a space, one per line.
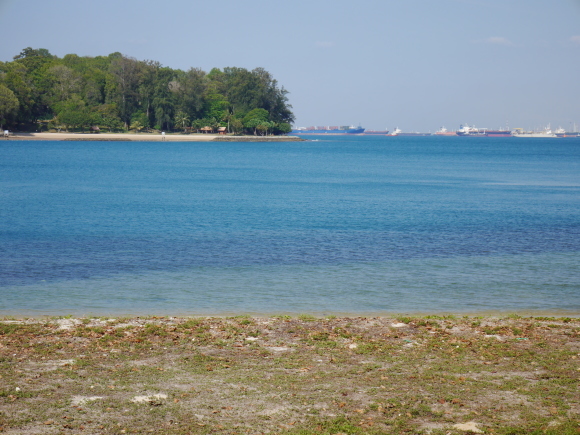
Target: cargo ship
414 133
466 130
547 132
498 133
329 130
444 132
399 132
377 132
560 132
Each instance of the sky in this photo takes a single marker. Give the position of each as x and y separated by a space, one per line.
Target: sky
413 64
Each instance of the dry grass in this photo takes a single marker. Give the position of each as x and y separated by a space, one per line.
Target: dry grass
286 375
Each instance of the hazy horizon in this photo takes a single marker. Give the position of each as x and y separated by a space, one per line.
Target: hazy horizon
417 65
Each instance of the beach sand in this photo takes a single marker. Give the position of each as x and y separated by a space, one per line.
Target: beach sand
149 137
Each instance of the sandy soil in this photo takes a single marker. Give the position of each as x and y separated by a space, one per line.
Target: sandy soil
296 376
150 137
113 136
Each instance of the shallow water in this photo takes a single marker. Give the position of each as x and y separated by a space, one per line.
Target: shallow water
346 225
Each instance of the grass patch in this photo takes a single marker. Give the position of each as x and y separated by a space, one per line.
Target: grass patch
301 375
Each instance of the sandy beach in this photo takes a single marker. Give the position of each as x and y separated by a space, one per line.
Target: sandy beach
149 137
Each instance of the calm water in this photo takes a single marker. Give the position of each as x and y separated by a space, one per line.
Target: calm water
346 225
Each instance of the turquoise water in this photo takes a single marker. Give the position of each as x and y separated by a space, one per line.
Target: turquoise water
346 225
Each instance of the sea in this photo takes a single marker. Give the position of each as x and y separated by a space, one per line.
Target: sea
341 225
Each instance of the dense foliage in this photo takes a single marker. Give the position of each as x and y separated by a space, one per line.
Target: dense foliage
39 91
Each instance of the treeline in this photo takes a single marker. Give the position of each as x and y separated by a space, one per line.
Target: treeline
39 91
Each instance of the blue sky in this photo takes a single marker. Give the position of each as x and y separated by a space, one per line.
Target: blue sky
415 64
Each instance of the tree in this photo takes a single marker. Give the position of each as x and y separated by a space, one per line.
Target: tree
31 53
271 97
255 118
283 128
124 73
137 126
66 82
148 77
74 114
141 119
260 114
108 116
190 89
8 104
198 124
236 125
163 105
216 107
181 119
17 81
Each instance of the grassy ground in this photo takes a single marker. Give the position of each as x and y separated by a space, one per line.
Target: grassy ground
302 375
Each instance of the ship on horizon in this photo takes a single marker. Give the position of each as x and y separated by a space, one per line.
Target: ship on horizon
545 133
466 130
377 132
560 132
399 132
444 132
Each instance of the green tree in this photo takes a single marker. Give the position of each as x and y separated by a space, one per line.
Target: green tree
258 113
198 124
236 125
123 85
255 118
8 104
216 107
270 97
74 113
140 118
190 89
33 64
137 126
148 77
163 104
282 128
181 119
15 79
108 116
65 82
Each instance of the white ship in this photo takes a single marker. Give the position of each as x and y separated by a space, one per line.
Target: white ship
466 130
547 132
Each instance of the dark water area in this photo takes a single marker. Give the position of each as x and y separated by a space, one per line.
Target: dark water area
353 225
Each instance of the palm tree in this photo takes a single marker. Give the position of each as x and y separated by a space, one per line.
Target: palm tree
136 125
181 119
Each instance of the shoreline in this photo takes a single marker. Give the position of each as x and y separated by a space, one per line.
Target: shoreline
148 137
483 314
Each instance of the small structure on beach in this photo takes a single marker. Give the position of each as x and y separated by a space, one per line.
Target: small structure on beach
222 130
207 129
